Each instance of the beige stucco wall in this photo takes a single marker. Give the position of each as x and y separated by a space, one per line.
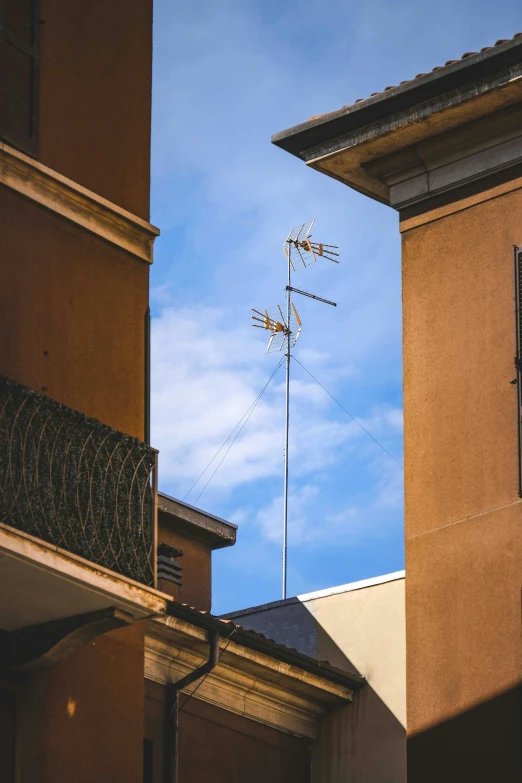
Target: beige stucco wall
360 627
368 627
364 627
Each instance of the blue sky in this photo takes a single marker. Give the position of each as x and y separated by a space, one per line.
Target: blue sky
227 75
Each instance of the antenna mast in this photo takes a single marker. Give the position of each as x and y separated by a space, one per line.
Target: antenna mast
285 332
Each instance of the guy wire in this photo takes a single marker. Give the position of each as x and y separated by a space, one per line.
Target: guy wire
348 412
246 417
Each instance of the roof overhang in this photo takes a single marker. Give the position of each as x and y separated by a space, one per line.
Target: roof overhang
247 681
344 144
216 532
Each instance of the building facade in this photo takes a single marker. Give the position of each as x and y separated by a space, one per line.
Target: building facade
260 704
359 627
445 151
77 518
111 666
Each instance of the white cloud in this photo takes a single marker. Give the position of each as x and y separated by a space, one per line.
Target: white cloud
269 519
311 522
205 377
206 374
228 199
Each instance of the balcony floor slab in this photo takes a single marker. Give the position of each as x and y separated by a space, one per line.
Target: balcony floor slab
40 583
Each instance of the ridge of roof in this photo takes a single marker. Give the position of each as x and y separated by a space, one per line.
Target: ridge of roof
259 642
361 584
421 75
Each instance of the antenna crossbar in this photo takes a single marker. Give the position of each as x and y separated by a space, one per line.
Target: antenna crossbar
312 296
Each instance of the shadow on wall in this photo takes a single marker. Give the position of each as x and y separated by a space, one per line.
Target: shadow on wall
362 742
483 744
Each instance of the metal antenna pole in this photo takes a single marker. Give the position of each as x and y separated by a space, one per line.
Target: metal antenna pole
287 428
284 334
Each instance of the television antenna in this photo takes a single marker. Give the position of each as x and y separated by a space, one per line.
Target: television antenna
285 329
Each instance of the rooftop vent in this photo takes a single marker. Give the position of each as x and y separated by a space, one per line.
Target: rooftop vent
168 568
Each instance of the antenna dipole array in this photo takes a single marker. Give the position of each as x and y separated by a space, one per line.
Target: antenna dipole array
285 329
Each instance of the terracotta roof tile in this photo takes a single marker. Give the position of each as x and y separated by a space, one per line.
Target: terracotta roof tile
436 68
232 627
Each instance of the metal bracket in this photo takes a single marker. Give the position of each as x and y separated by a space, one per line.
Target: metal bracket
39 646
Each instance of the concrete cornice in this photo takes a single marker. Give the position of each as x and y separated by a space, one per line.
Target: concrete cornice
75 203
459 205
246 682
352 158
453 159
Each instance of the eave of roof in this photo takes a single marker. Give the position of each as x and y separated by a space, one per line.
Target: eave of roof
257 641
217 532
455 74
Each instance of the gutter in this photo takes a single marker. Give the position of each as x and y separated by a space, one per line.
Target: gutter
172 706
259 643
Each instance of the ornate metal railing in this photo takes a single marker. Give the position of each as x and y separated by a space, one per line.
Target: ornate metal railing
76 483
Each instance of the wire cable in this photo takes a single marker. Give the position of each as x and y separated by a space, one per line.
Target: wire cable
348 412
236 436
246 416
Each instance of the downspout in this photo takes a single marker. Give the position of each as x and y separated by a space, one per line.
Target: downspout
172 706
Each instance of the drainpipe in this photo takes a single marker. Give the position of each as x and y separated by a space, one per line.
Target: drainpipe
172 705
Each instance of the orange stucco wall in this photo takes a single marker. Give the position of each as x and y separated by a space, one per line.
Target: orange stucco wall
83 720
72 311
218 746
95 96
196 588
463 520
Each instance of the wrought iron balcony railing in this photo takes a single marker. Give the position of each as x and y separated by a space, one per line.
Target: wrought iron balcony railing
76 483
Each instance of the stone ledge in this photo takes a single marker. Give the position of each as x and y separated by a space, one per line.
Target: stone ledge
75 203
245 682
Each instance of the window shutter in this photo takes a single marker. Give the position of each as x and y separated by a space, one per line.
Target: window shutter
18 73
518 356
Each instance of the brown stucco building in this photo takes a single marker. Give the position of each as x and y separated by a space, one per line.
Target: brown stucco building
111 666
195 535
76 503
445 151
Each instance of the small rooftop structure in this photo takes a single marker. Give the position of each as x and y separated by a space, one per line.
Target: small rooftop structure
216 532
187 537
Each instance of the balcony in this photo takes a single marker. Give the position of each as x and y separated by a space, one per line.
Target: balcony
77 484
